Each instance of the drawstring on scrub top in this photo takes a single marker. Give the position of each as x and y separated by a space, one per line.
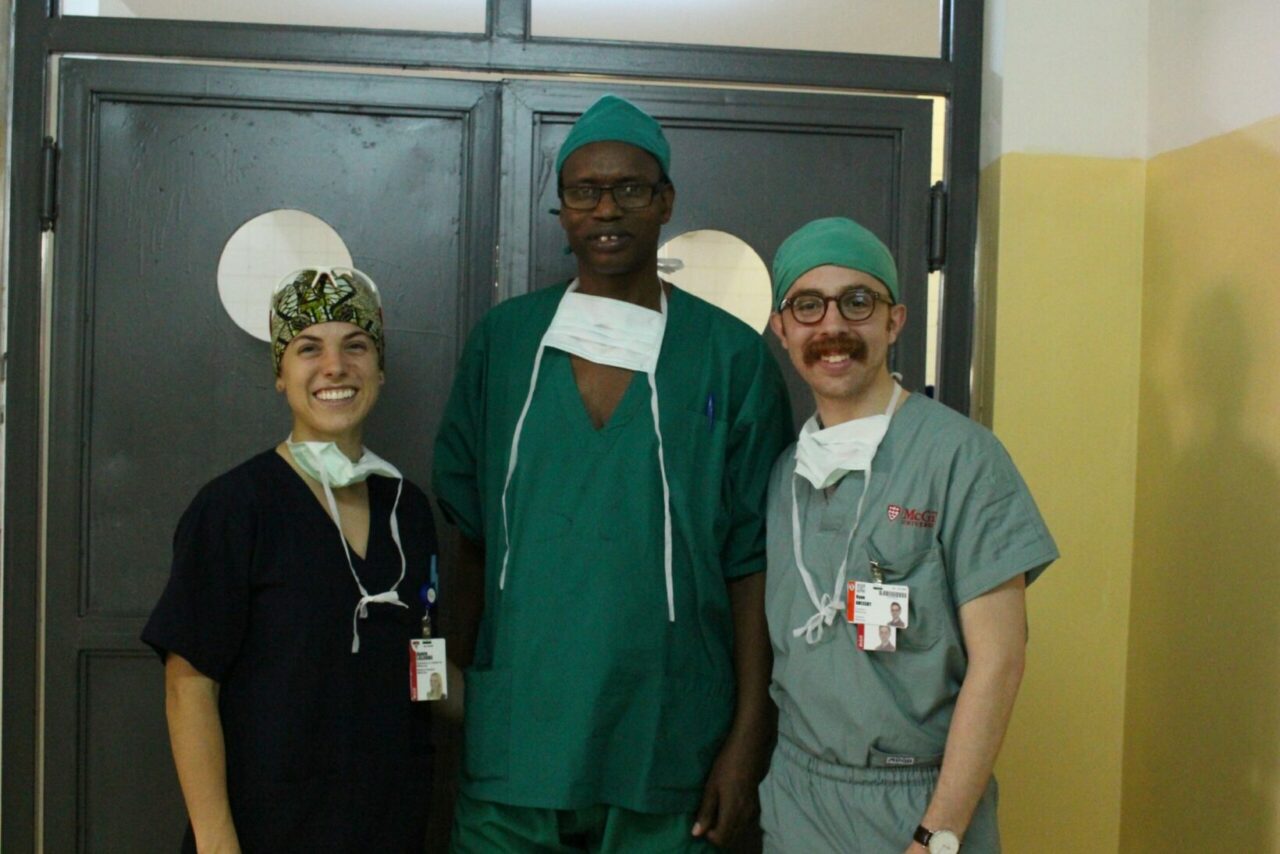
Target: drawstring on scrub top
597 342
828 605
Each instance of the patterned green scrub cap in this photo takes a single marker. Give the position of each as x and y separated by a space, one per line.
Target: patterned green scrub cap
834 240
614 119
321 294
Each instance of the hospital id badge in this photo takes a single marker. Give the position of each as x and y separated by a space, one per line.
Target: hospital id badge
428 678
876 604
873 638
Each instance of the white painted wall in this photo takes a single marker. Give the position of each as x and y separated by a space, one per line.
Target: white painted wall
1125 78
1065 78
458 16
1214 68
902 27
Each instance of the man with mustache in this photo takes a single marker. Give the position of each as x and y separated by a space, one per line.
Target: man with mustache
887 497
605 453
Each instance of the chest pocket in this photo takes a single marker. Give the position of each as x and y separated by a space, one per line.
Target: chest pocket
695 438
931 611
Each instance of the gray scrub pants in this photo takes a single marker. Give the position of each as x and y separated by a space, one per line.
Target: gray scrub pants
811 806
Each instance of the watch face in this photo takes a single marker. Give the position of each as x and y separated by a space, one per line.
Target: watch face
944 842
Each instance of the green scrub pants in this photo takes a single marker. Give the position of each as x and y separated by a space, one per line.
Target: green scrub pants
811 806
485 827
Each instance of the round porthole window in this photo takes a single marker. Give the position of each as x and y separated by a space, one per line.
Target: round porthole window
262 252
721 269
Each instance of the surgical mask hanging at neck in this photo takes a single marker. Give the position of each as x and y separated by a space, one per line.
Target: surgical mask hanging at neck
608 332
824 456
827 462
326 463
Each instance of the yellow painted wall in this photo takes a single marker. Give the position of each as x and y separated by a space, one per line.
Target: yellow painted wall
1202 751
1061 253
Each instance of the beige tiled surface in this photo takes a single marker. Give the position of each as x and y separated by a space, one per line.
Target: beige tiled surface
724 271
263 251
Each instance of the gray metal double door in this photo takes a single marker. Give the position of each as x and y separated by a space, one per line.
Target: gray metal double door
153 389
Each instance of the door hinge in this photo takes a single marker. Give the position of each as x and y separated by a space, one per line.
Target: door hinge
49 190
937 227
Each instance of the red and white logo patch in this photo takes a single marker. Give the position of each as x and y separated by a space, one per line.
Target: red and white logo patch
912 518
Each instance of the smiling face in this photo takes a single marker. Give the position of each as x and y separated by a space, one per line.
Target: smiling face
329 374
845 363
609 242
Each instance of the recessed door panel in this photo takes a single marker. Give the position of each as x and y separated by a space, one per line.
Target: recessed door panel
155 389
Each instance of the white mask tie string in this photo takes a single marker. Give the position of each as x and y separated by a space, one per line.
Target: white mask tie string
827 606
608 332
318 460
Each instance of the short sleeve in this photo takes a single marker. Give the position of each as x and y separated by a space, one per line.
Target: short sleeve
456 472
204 611
761 430
992 529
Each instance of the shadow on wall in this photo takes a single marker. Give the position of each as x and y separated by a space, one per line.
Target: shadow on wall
1203 720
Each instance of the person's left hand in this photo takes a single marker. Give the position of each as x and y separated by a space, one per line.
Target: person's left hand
916 848
729 798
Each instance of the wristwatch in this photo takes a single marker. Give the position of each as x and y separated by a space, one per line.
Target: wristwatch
937 841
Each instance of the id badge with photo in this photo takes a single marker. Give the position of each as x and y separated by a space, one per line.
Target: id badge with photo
876 604
428 678
873 638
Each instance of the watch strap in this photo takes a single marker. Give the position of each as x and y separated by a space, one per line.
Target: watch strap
924 835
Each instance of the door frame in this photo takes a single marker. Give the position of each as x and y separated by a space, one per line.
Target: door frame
506 46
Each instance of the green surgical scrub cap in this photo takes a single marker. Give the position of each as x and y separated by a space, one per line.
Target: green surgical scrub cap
319 295
614 119
834 240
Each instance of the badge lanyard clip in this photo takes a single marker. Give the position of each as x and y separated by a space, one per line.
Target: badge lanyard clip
428 676
429 594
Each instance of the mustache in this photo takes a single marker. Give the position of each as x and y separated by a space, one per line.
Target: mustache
842 342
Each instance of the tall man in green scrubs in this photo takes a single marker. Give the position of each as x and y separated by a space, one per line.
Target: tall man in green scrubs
887 497
605 453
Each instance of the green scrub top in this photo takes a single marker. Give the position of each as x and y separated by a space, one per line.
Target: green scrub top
583 692
946 514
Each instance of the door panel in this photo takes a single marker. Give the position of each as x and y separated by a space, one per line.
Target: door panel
128 798
155 390
755 164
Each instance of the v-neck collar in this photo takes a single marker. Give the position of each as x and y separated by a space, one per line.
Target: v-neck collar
569 398
319 514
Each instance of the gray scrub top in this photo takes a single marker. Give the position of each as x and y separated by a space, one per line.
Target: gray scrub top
947 514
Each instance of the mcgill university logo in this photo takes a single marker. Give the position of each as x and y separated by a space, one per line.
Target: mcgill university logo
913 518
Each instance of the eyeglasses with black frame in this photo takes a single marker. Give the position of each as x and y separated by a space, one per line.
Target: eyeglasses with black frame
630 196
854 304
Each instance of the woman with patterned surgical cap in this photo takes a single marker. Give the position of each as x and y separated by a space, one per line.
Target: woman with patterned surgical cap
297 584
